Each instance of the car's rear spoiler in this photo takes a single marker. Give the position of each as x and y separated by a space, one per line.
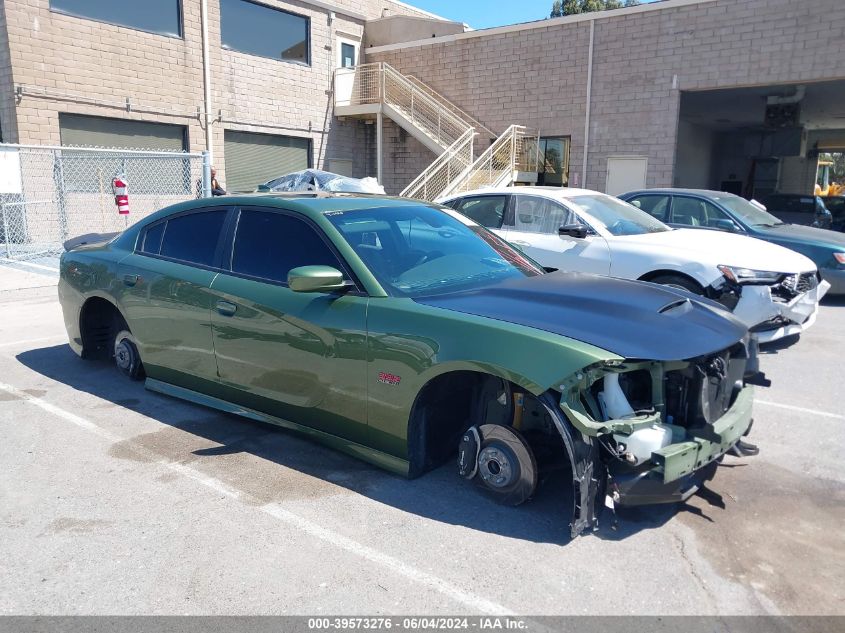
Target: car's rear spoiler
89 239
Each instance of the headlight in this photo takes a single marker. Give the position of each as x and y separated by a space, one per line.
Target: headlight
840 257
748 275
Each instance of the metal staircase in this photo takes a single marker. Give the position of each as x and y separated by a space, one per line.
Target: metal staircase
445 129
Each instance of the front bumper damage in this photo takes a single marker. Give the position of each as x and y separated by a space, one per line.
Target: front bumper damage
699 409
780 310
680 468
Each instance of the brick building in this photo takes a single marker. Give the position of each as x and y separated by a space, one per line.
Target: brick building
679 89
130 74
736 94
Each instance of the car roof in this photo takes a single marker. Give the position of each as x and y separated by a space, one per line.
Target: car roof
706 193
791 195
546 192
309 203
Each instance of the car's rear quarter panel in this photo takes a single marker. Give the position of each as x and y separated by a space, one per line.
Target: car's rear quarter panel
84 273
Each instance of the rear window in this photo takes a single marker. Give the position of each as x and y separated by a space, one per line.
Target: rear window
192 238
152 239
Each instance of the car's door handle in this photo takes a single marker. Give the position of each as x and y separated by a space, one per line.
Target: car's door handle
130 280
226 309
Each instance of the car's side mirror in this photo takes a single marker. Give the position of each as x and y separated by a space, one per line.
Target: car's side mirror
727 225
573 230
315 279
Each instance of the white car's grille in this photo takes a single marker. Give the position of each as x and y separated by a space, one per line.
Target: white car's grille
800 283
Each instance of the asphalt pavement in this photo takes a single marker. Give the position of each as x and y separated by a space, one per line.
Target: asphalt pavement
117 500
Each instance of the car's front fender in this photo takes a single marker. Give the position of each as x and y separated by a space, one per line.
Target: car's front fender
410 345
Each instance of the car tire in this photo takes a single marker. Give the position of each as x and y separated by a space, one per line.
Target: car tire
679 282
507 469
126 356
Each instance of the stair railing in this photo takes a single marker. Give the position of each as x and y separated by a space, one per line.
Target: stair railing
482 129
431 115
445 169
496 166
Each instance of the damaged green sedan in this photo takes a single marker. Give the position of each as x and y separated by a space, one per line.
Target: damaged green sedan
405 334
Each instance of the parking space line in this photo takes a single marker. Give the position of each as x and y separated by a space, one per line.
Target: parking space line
25 263
790 407
476 603
34 340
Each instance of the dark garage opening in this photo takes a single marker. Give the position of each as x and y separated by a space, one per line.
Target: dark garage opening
760 140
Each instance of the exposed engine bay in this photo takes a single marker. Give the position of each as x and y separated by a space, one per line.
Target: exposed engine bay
635 432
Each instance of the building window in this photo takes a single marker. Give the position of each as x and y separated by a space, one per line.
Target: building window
259 30
554 161
347 55
163 17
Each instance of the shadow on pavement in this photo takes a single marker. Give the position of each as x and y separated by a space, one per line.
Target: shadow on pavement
781 344
833 300
440 495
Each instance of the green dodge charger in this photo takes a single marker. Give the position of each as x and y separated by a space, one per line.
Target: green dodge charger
407 335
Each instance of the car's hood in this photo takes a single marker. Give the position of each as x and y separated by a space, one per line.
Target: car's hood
629 318
718 247
799 234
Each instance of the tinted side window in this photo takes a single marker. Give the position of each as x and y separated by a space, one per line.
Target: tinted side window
488 211
267 245
655 206
193 238
152 238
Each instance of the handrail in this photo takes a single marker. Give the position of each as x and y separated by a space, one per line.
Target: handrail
447 167
448 126
478 125
495 163
425 111
380 83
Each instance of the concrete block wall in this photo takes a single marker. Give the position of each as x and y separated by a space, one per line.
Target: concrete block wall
643 59
500 80
8 123
77 65
97 66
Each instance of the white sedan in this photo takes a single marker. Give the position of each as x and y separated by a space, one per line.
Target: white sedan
773 290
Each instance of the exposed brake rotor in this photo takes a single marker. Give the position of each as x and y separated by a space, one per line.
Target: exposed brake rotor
506 467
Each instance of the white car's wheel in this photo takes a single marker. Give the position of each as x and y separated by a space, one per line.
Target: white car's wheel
679 282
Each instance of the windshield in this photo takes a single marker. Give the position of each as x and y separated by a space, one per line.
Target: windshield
619 218
749 213
417 251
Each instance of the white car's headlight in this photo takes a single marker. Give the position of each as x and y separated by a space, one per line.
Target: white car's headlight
740 275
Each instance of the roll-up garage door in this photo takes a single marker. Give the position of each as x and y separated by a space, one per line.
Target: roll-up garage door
92 172
102 132
253 159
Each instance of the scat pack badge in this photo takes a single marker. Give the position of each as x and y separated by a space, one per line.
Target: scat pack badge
388 378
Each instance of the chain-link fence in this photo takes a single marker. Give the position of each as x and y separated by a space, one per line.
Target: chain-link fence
49 194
